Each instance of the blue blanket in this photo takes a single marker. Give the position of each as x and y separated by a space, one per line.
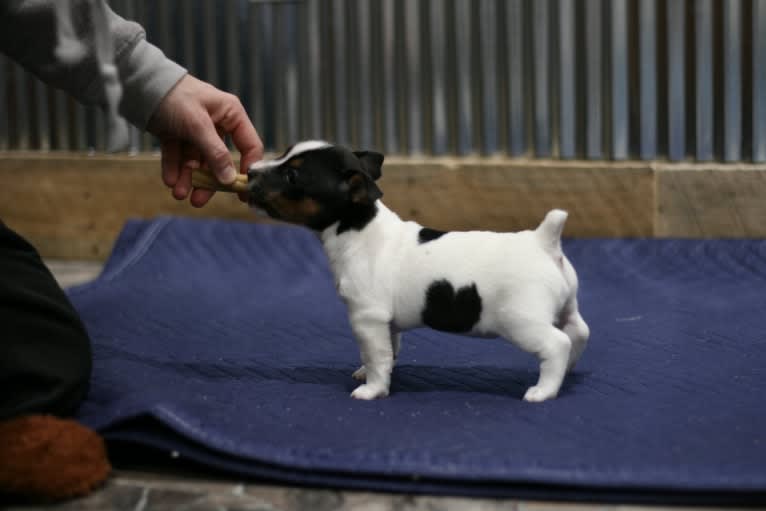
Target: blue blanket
226 342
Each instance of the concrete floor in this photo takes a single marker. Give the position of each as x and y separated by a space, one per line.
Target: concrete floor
145 486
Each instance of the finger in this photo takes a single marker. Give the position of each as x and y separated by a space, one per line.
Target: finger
184 185
231 116
249 152
200 197
190 157
170 162
214 151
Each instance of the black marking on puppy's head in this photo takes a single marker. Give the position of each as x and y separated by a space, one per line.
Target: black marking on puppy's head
449 311
371 163
317 185
426 234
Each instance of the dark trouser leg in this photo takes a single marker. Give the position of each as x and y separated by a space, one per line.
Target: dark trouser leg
45 356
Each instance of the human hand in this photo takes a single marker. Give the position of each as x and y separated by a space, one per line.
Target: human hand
190 123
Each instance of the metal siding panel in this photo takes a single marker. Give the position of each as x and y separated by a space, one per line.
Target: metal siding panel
81 127
292 104
256 76
21 108
339 60
4 77
262 77
619 79
187 35
61 109
414 77
390 68
164 39
703 59
541 67
567 79
517 133
210 41
759 81
489 99
439 77
43 115
676 30
732 80
363 82
314 69
463 67
648 79
100 128
289 51
233 55
593 69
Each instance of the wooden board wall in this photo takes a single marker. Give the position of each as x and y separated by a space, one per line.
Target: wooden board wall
73 206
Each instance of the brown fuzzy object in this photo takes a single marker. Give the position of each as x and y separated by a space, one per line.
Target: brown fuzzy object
43 457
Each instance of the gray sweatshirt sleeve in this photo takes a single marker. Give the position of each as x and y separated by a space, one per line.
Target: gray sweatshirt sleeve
28 35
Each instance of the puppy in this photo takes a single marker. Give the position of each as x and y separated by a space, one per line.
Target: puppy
395 275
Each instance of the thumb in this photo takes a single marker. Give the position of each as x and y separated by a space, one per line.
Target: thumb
214 152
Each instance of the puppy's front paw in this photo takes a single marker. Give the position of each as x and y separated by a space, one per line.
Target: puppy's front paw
360 374
536 394
368 392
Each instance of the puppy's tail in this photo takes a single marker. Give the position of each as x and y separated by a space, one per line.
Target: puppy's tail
549 231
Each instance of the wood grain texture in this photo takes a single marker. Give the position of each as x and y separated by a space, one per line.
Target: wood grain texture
711 203
510 195
74 205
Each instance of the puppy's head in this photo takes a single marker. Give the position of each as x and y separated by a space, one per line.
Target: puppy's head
317 184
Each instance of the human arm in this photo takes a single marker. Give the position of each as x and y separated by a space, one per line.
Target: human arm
186 114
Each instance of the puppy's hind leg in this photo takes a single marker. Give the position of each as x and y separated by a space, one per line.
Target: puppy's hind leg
550 345
577 329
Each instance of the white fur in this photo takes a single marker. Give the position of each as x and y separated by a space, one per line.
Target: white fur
527 286
300 147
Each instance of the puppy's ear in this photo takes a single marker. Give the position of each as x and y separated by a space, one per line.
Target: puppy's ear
361 187
371 162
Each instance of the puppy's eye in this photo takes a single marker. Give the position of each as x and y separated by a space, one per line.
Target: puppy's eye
291 176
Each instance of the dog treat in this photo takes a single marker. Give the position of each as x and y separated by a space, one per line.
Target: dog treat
205 179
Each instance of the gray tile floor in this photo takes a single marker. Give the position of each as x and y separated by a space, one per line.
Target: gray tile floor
152 488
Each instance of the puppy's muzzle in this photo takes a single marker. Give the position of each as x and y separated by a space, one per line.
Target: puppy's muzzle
254 177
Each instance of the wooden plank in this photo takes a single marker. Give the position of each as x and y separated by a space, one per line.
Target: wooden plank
717 202
73 206
510 195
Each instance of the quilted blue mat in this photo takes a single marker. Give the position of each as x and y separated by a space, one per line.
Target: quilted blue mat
226 343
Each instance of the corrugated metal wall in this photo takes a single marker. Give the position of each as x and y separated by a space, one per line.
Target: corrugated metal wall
593 79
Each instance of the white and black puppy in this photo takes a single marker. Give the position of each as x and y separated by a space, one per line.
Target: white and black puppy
395 275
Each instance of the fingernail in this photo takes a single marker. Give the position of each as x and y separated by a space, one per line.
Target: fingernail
192 164
228 175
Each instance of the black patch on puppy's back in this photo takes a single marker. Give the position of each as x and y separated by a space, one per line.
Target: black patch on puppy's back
427 234
449 311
